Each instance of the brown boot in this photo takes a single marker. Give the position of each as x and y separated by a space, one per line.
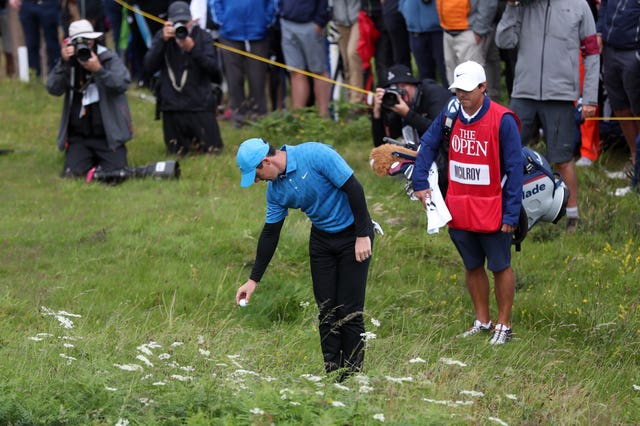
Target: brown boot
11 65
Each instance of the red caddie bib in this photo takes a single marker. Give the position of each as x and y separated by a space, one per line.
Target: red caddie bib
474 197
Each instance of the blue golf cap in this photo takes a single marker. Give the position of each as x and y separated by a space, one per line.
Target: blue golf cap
250 154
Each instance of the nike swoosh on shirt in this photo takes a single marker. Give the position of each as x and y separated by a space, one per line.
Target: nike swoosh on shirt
305 175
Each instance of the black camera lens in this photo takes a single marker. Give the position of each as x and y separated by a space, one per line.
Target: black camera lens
181 31
390 97
83 52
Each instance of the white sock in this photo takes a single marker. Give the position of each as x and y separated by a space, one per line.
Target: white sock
572 212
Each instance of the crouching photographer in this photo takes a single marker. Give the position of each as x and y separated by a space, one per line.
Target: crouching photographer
403 100
96 121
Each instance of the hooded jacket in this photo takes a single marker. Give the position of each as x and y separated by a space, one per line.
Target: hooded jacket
112 81
550 35
242 20
186 77
619 24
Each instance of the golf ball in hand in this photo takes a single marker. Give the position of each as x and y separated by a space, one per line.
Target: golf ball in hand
243 302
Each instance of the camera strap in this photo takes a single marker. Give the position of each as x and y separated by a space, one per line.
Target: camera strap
172 76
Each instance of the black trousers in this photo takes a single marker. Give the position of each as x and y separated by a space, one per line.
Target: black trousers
339 284
191 131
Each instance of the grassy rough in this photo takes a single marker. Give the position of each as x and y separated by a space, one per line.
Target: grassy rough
149 271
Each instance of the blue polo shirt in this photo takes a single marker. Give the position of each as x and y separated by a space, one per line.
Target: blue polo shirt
315 172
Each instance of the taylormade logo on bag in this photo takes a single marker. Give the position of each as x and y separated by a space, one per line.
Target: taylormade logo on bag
539 187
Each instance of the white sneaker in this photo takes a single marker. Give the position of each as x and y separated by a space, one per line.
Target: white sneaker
501 335
476 328
584 162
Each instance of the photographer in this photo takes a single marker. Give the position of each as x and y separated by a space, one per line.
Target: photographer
405 101
96 122
186 58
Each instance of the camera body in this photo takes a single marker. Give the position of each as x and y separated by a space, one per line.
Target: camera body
181 30
391 94
83 51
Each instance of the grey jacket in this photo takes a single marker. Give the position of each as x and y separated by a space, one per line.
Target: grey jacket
112 80
549 35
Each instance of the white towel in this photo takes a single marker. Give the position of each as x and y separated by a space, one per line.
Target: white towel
438 214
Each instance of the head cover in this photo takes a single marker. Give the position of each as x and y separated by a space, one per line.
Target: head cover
250 154
399 74
179 12
84 29
467 76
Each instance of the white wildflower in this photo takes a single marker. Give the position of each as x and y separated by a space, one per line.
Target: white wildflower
181 378
147 376
448 403
245 373
366 389
188 368
416 360
304 304
511 396
379 417
175 344
129 367
636 387
337 404
367 335
471 393
164 356
64 321
311 377
145 349
204 352
375 322
159 383
200 339
294 403
110 389
500 422
341 387
69 359
144 359
122 422
68 345
450 361
399 379
146 401
256 411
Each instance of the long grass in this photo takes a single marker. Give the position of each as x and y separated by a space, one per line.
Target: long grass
117 303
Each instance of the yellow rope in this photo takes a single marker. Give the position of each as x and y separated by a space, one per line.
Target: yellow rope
251 55
307 73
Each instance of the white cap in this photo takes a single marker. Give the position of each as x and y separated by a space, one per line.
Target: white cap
84 29
467 76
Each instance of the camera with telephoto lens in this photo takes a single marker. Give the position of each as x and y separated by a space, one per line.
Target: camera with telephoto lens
83 51
181 30
390 97
160 170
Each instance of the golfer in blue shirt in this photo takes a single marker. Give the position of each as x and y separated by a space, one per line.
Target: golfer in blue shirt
314 178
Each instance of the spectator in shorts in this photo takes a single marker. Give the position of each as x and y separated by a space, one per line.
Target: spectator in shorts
619 41
304 46
548 94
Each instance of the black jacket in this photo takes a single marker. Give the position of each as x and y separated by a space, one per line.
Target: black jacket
430 100
185 77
